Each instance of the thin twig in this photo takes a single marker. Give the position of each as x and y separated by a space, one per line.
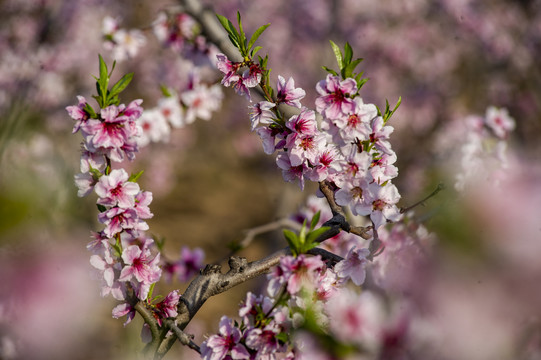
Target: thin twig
439 188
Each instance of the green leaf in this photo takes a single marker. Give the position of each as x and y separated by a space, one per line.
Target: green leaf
256 35
101 208
388 113
150 291
348 54
120 85
135 177
313 235
231 30
96 174
361 82
103 81
337 54
255 50
292 240
302 233
348 70
226 24
315 220
90 111
330 70
241 31
282 337
165 91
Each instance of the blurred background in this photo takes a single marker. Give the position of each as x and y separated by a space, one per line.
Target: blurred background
211 181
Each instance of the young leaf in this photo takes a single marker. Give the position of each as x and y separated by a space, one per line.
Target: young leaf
231 30
120 85
361 82
255 50
135 177
256 35
103 81
330 70
292 240
388 113
242 38
165 91
315 220
348 70
348 54
337 54
90 111
313 235
226 24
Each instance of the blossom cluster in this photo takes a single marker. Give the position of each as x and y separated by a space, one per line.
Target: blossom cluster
196 100
309 305
122 254
483 151
182 33
350 149
180 104
124 44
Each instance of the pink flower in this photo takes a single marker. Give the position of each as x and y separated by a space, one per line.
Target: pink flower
499 121
289 172
304 123
217 347
305 148
93 160
380 135
167 308
357 318
265 340
353 266
228 68
357 124
78 114
140 264
382 168
172 111
324 164
354 194
383 199
154 127
252 76
261 114
201 101
124 309
115 189
133 111
355 164
142 200
85 183
108 267
112 132
118 219
296 272
188 265
335 101
288 94
252 306
268 137
327 285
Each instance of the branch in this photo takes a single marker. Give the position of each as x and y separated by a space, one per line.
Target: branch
184 338
211 281
338 213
